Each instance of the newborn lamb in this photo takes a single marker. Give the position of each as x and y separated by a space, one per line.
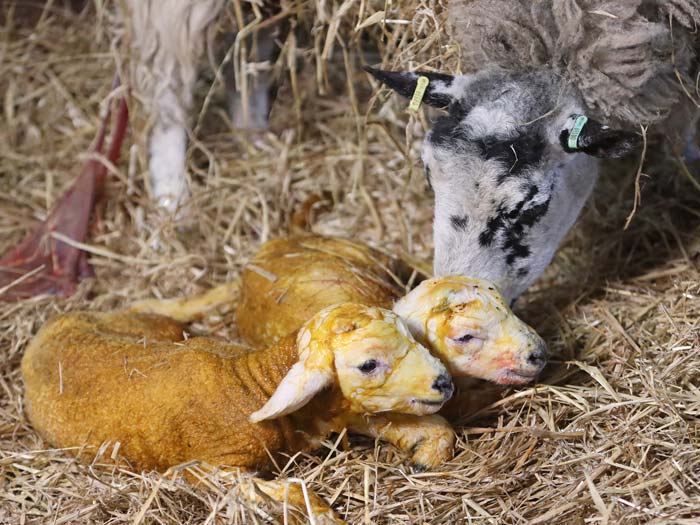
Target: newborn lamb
134 378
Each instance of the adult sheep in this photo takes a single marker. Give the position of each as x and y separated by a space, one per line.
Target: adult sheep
510 175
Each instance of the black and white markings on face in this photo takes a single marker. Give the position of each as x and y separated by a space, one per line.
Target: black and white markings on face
515 155
448 133
510 225
505 189
512 172
459 222
489 137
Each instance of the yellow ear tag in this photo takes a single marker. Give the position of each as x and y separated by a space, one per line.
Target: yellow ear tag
417 97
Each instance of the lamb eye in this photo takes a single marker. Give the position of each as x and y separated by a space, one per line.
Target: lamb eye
465 338
368 366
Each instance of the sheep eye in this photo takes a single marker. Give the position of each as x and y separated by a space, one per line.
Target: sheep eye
465 338
368 366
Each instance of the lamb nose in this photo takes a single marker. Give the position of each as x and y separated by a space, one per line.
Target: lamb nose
443 384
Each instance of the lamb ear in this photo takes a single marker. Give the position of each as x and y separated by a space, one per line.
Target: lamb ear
299 386
404 83
596 139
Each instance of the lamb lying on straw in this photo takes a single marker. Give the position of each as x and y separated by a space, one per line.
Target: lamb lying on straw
134 378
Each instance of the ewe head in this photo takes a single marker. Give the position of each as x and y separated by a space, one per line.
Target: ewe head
370 354
508 185
470 327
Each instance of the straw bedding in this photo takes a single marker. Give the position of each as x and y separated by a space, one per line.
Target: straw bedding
611 433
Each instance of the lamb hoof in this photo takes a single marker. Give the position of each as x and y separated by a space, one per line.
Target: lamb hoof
417 468
432 453
294 495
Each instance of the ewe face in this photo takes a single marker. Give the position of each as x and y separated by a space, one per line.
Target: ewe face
382 368
469 326
495 180
507 186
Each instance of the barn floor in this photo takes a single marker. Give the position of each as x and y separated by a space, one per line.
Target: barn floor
610 435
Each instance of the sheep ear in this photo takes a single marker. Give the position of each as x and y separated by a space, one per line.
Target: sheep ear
301 383
404 83
582 134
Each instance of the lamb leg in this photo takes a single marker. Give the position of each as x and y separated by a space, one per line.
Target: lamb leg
188 309
294 495
43 262
429 439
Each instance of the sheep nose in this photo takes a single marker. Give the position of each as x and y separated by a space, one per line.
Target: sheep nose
443 384
538 357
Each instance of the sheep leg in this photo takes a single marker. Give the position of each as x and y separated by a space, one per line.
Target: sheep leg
250 98
188 309
294 493
429 439
166 165
167 41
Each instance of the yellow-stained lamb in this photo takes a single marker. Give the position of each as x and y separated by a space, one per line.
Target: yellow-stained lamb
134 378
291 279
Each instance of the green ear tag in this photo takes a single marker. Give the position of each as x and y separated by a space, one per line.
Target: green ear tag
417 97
576 131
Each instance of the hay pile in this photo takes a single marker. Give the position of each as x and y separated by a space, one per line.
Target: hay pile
611 435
